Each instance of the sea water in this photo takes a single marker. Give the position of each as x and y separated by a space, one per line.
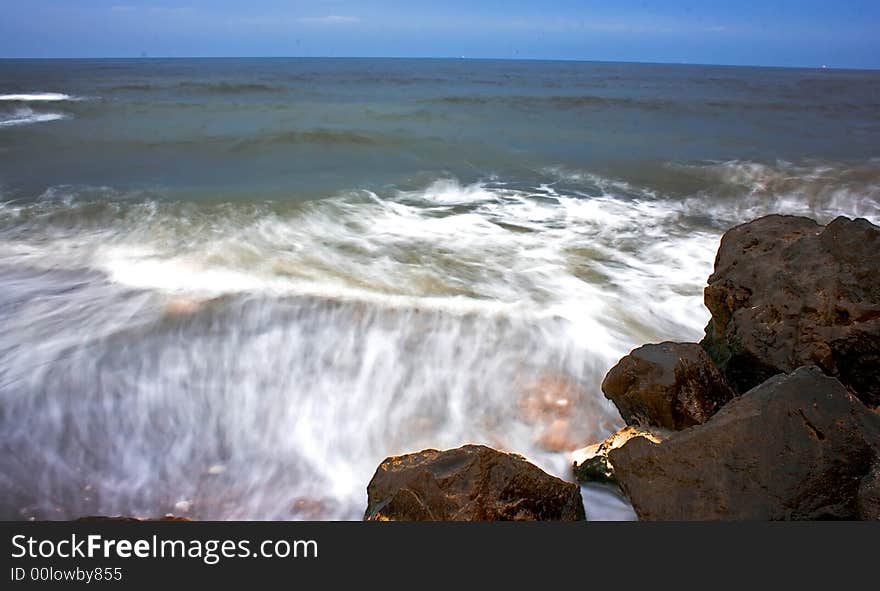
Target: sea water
230 288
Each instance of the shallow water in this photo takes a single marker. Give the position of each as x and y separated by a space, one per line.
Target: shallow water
230 288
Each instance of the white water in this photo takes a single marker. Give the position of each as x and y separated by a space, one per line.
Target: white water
26 116
37 97
251 361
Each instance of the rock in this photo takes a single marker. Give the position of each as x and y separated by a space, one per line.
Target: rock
471 483
547 402
591 464
309 509
557 436
869 496
798 446
181 306
548 395
669 385
788 292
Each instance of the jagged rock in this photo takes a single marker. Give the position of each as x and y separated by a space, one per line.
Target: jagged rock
590 464
798 446
668 385
471 483
788 292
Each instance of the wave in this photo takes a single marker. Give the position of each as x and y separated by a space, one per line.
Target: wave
828 108
560 102
221 87
423 115
743 190
446 242
448 246
311 136
224 87
37 97
134 87
557 250
265 140
598 102
27 116
256 360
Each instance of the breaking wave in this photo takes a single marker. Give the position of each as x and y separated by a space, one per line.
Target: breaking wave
27 116
258 360
37 97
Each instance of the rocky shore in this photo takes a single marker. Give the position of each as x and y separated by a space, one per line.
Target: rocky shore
772 416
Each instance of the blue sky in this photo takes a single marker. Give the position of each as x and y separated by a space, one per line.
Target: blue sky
841 33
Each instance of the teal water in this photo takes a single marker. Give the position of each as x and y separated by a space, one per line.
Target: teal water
230 288
288 128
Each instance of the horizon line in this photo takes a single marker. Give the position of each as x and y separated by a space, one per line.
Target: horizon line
460 58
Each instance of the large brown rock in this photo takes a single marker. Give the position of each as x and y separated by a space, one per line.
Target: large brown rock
668 385
471 483
799 446
788 292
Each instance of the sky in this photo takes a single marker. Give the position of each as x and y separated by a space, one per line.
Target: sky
837 33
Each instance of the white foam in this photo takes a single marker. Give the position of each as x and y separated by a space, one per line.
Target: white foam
596 261
37 97
449 306
615 270
26 116
821 191
450 192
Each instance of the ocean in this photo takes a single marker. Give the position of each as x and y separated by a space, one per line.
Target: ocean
230 287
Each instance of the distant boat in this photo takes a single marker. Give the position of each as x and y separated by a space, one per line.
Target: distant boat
824 67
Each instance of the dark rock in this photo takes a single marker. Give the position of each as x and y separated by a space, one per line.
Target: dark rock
471 483
590 464
670 385
869 496
788 292
799 446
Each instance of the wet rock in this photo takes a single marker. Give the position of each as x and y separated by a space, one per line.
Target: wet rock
557 436
548 395
591 464
309 509
181 306
788 292
668 385
548 402
470 483
798 446
868 506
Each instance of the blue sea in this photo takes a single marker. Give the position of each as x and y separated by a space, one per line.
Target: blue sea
230 287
